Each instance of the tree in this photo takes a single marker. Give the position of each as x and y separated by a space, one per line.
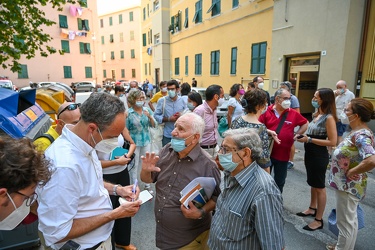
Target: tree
21 30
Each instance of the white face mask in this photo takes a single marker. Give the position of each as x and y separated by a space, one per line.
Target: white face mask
105 145
344 118
261 85
265 109
15 218
221 101
139 103
164 89
285 104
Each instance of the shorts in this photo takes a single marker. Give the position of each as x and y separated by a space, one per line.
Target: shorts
341 128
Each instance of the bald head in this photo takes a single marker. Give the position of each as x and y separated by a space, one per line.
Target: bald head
69 114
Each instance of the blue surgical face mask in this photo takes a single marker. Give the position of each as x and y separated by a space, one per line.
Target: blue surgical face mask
315 104
139 103
178 144
171 93
226 162
121 95
190 106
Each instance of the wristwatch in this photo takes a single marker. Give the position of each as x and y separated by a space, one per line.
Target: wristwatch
309 140
115 189
203 213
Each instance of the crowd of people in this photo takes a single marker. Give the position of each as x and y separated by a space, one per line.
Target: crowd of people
72 183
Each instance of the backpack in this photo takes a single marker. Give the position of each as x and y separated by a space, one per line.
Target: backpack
45 135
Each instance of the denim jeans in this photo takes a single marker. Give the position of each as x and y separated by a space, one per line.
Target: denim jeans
280 169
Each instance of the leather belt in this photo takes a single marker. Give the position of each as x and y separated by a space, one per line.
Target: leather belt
208 146
94 247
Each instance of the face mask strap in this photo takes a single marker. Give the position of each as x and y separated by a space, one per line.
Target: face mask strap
10 198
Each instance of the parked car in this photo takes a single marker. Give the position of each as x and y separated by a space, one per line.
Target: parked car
7 84
85 86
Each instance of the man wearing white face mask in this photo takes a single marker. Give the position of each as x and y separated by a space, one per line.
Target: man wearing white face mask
177 165
169 109
281 114
75 203
158 95
19 176
259 84
343 97
249 211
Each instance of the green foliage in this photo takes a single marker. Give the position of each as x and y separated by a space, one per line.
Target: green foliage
21 32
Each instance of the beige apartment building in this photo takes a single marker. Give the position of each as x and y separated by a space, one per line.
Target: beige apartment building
120 45
74 38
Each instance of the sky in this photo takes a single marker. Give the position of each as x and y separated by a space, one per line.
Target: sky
108 6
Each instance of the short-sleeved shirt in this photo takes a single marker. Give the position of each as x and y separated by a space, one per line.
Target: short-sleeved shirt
249 212
210 134
238 109
138 126
271 120
261 129
43 143
155 98
294 103
343 100
356 147
173 230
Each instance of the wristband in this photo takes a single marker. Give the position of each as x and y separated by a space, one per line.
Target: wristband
309 140
115 189
203 213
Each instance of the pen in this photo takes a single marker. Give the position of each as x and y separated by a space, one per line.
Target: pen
134 190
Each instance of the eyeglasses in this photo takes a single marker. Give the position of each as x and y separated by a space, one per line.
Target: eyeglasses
285 98
346 110
30 199
225 150
70 107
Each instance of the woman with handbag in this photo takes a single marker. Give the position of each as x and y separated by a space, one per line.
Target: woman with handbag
321 133
351 159
138 120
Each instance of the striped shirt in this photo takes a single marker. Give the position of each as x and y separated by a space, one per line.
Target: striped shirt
317 127
249 212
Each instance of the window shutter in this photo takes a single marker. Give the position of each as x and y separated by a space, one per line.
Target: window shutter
79 22
81 48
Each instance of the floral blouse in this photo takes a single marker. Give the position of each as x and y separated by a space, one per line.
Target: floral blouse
356 147
264 160
138 126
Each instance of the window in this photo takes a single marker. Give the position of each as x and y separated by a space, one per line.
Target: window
88 72
102 39
83 24
186 23
258 58
111 38
186 65
121 36
144 38
84 3
63 21
84 48
235 3
122 54
122 73
120 19
198 12
133 73
156 5
112 55
131 19
67 72
233 61
132 53
104 73
215 62
110 21
22 74
150 37
145 68
101 23
132 35
149 68
157 38
144 14
215 7
177 66
148 10
198 64
65 46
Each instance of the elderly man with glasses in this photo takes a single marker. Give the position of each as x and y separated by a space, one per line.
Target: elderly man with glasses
68 113
281 120
249 211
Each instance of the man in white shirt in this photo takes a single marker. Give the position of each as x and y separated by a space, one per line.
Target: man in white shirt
343 96
75 204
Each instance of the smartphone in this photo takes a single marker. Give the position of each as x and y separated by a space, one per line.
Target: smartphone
300 136
71 245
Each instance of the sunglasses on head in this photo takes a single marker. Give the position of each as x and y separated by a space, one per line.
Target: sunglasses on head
70 107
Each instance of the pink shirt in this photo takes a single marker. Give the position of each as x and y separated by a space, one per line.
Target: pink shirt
210 134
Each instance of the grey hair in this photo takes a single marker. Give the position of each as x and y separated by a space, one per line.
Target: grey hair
280 91
246 138
134 95
197 123
101 108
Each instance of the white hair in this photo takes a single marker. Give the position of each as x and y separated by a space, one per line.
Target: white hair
196 122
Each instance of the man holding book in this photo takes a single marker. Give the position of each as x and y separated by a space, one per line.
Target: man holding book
250 207
180 162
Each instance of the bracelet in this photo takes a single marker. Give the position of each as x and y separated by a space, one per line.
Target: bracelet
309 140
115 189
203 213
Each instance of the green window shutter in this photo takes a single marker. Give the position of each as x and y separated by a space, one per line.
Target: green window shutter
79 22
63 21
131 16
234 3
262 58
144 38
110 21
65 46
104 73
112 55
82 48
186 23
23 74
132 52
122 54
186 65
233 62
111 38
86 25
120 18
122 73
254 58
88 72
102 39
177 66
67 72
87 48
83 3
133 73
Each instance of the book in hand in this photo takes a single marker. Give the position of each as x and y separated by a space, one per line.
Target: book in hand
198 191
118 151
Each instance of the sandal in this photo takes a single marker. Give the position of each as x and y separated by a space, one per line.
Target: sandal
304 215
313 229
